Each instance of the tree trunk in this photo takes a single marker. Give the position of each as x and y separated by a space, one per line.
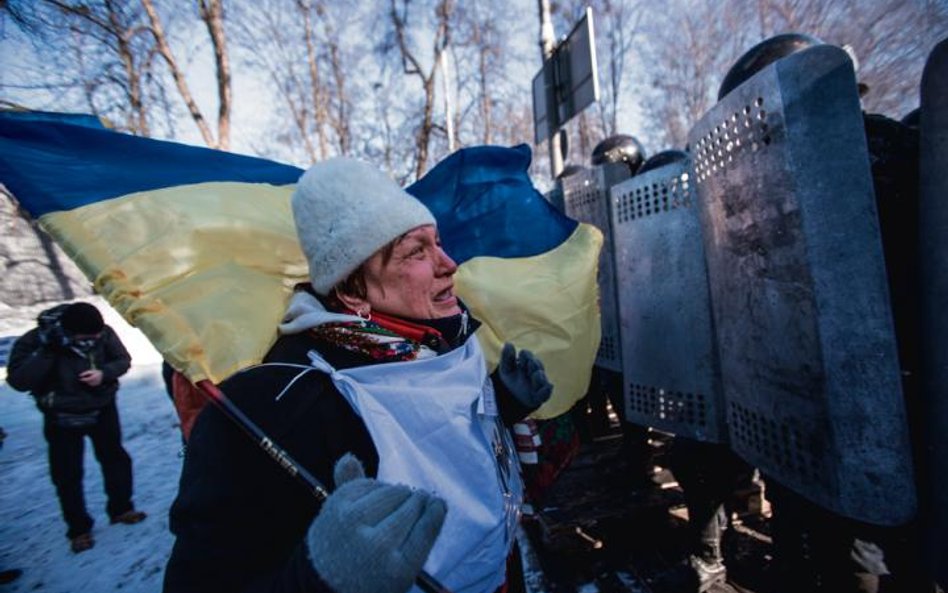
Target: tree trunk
165 51
411 65
317 94
212 15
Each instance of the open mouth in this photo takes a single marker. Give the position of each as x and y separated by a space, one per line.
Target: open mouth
445 295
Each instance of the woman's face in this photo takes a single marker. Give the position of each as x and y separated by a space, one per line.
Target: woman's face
418 280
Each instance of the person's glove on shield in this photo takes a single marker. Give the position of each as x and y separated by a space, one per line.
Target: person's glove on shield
372 537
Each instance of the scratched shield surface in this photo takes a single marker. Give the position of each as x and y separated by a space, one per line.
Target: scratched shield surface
798 288
669 363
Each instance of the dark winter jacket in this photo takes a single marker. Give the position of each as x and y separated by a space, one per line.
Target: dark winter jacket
240 519
51 373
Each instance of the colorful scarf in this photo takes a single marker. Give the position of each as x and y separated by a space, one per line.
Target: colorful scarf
382 338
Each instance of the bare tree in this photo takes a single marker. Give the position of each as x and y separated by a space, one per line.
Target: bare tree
298 45
688 55
889 38
211 15
388 137
617 26
278 42
483 34
101 47
482 50
126 61
689 48
412 66
340 117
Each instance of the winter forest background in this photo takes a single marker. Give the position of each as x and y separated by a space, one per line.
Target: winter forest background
404 83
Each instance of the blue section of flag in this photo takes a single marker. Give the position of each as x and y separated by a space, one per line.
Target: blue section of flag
51 166
486 205
76 119
482 197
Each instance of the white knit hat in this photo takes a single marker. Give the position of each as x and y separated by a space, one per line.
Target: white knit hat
345 210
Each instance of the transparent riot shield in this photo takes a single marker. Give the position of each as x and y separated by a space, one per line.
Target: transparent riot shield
669 363
933 250
586 199
798 288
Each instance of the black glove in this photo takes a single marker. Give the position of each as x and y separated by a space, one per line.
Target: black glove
371 536
52 334
524 377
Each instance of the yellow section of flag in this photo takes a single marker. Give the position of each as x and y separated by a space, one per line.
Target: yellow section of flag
205 270
547 304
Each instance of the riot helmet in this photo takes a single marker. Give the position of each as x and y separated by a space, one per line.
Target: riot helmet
620 148
763 54
665 157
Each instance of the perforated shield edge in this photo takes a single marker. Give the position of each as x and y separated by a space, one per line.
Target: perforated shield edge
670 370
798 288
586 199
933 231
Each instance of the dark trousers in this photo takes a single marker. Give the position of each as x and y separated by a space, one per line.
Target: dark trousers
66 449
708 475
817 550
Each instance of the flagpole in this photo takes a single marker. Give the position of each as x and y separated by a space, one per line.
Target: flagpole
424 580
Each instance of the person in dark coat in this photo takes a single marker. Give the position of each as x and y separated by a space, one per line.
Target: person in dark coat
71 363
378 388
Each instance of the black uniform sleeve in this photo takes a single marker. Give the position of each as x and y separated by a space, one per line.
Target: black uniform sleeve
240 518
30 364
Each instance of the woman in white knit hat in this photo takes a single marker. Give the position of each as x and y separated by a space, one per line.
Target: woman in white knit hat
376 373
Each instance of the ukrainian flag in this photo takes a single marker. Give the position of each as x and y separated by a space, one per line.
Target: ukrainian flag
197 247
525 270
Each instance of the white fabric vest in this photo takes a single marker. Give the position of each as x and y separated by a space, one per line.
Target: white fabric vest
435 426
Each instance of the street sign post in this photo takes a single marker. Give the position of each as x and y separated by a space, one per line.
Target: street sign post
567 82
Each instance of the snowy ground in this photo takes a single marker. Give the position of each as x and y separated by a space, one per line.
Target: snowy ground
130 558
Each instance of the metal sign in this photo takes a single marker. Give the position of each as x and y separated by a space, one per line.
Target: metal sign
798 288
669 366
933 231
586 199
543 125
568 81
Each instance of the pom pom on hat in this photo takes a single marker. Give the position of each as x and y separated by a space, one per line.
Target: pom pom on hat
345 210
81 319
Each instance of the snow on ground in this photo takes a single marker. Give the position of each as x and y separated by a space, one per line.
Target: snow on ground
130 558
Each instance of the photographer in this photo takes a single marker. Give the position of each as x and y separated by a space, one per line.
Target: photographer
71 363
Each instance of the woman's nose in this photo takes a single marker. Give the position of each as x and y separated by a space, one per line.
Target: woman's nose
446 265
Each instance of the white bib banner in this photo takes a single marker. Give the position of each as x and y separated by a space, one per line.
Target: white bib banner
434 423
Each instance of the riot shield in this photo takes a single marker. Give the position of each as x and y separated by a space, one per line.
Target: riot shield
586 199
798 288
933 250
555 197
669 366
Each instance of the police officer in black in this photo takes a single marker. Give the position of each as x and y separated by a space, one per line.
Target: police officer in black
71 363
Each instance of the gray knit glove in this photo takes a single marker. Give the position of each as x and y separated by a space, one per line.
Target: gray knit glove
372 537
524 376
